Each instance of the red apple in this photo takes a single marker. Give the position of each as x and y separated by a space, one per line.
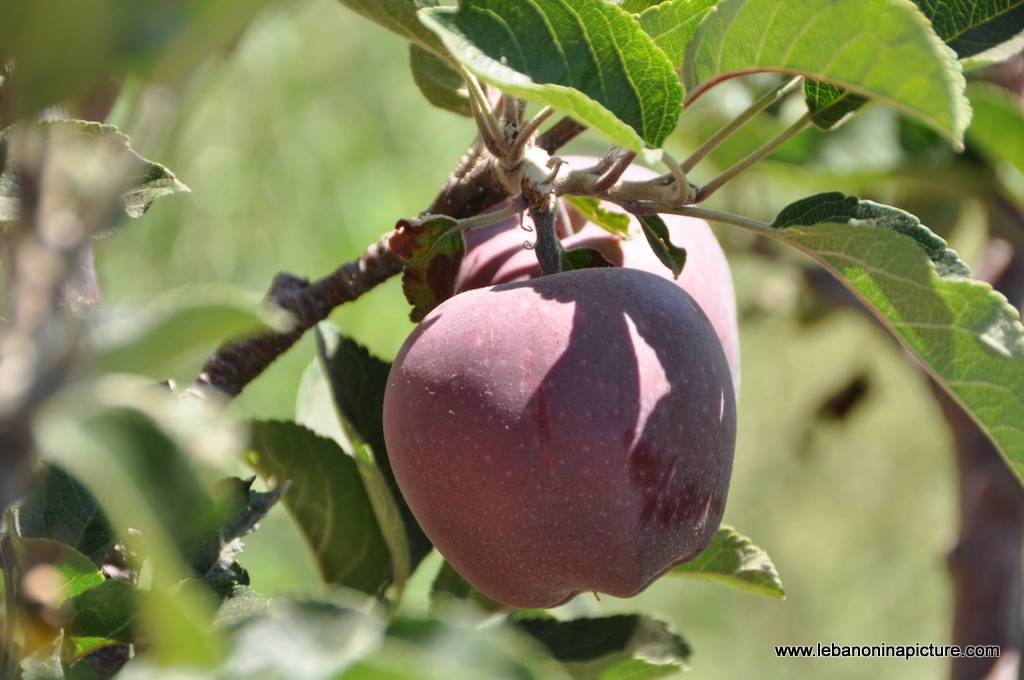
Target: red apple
565 434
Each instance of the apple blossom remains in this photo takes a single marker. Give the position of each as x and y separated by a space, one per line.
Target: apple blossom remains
563 419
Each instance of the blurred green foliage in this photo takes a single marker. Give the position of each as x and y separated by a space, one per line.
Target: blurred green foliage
310 138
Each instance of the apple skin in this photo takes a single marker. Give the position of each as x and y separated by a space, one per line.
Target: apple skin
496 255
565 434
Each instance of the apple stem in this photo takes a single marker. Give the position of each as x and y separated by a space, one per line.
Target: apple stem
548 247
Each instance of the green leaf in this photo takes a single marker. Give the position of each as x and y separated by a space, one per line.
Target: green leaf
966 334
400 16
611 221
171 335
107 612
830 105
997 128
658 237
110 436
611 647
968 28
77 572
882 49
143 181
60 508
587 58
389 517
357 381
329 502
431 251
734 560
583 258
672 24
976 26
449 583
438 81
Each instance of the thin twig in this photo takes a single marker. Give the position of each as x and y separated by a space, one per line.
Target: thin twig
235 365
728 175
763 102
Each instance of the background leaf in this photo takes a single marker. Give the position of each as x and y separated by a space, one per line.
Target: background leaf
612 647
139 472
106 612
399 16
145 181
997 128
171 335
88 44
438 81
449 583
587 58
882 49
734 560
78 572
60 508
328 501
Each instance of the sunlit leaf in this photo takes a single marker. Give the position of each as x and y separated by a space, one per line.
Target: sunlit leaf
967 335
589 59
997 128
614 222
882 49
672 24
734 560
